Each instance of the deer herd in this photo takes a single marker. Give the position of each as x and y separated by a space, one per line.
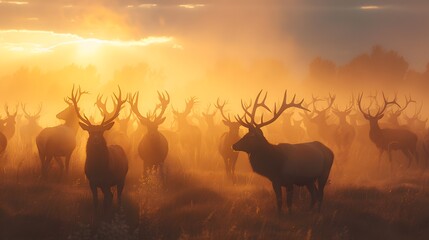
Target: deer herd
302 156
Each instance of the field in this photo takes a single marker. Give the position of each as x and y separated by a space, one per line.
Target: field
204 204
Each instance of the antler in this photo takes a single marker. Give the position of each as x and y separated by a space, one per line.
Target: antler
6 108
408 100
220 106
164 101
34 115
74 99
118 106
380 111
276 113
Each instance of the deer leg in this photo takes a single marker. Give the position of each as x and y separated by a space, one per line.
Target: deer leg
67 162
108 197
278 191
380 154
94 194
120 188
289 197
408 154
60 164
312 189
389 150
233 162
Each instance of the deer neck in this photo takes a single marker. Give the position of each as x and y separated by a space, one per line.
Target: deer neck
97 155
264 159
374 129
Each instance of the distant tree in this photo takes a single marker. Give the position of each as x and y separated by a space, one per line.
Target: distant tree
322 70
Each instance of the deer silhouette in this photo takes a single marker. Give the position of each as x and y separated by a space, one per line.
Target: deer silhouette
227 140
393 116
106 166
189 134
285 165
153 147
415 124
388 139
59 141
8 126
3 143
30 130
344 131
325 129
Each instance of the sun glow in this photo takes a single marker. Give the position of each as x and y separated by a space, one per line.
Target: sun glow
370 7
45 41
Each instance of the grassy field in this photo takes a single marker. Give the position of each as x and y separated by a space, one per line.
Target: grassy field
205 205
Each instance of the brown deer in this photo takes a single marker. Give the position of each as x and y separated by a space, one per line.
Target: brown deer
153 147
8 126
30 130
59 141
387 139
106 166
189 134
285 165
227 140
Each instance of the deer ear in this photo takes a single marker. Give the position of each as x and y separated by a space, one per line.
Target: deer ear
84 126
108 126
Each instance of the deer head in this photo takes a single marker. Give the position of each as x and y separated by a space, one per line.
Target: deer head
182 116
233 126
255 139
373 119
152 120
96 131
209 117
321 116
394 115
342 115
32 118
11 118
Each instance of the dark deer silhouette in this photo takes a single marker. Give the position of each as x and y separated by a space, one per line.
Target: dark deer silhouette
3 143
153 147
59 141
8 126
388 139
285 165
325 129
227 140
189 135
30 130
105 166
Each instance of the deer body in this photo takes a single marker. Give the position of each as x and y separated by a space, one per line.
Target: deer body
3 143
59 141
285 165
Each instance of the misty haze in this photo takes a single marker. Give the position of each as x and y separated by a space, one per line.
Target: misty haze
208 119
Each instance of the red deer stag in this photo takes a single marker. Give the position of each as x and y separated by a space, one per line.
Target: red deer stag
59 141
393 117
285 165
344 131
227 140
153 147
189 134
388 139
30 130
325 129
106 166
8 126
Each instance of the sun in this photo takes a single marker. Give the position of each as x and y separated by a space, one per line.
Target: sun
88 48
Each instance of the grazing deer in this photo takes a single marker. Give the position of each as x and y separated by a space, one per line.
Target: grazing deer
106 166
29 131
285 165
8 125
388 139
345 133
153 147
189 135
227 140
59 141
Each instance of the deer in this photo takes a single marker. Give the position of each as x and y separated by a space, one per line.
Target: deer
153 147
106 166
326 130
393 117
344 131
414 122
8 126
29 131
3 143
189 134
388 139
285 165
211 133
227 140
59 141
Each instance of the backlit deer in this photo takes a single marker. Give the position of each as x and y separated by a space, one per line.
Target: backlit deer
106 166
393 116
415 124
344 132
8 126
212 130
388 139
153 147
227 140
285 165
30 130
59 141
325 129
189 134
